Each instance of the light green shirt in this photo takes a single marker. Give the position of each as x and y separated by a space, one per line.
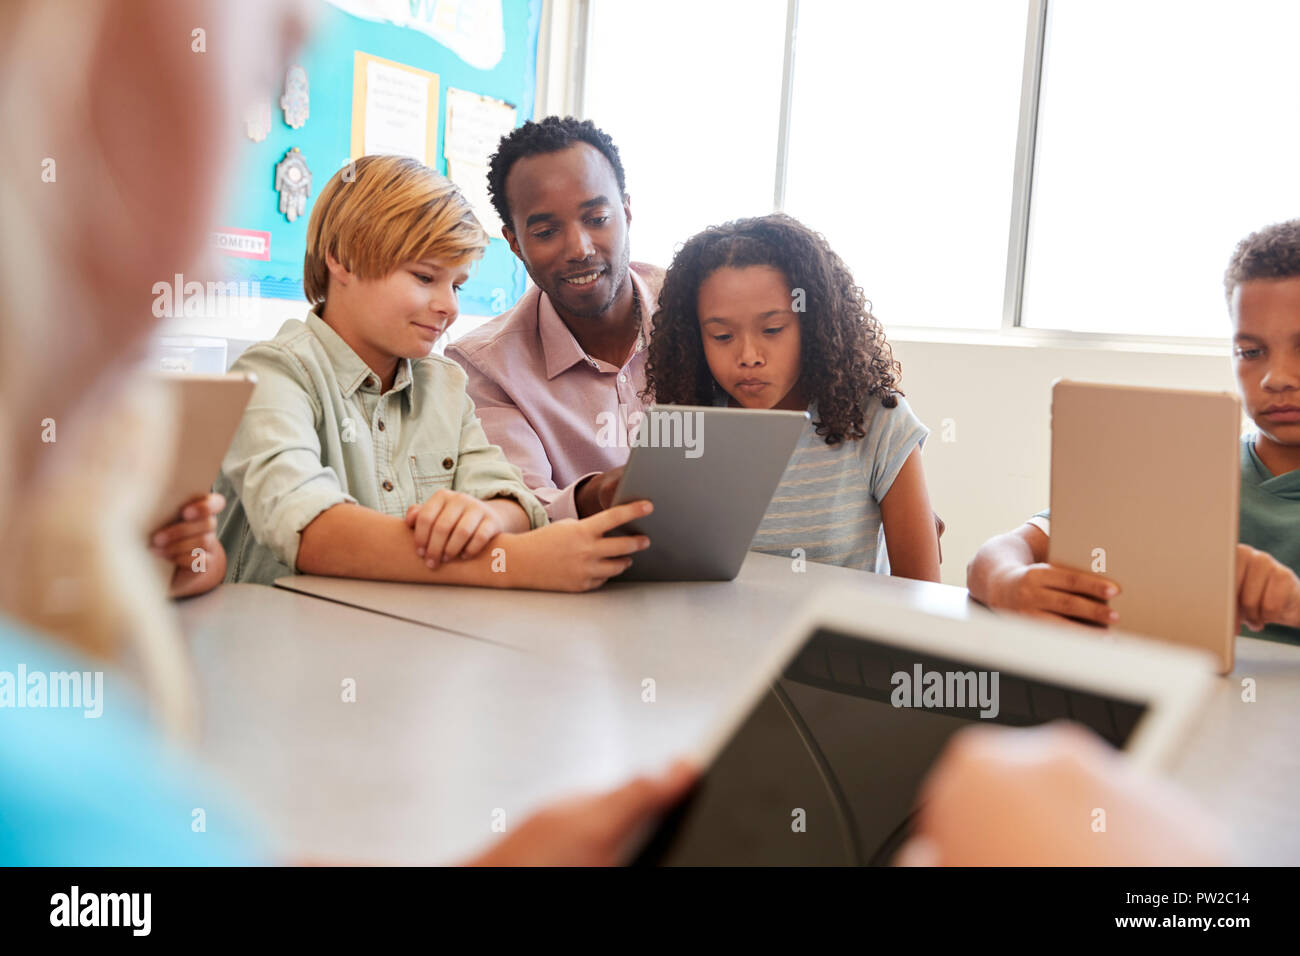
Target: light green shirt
317 433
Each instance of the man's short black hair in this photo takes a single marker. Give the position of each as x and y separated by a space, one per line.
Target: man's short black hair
551 135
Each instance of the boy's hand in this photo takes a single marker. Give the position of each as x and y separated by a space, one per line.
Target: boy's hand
1044 590
451 525
591 831
196 528
1268 592
569 555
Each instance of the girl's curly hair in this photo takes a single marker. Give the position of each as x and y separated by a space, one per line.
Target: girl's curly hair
844 357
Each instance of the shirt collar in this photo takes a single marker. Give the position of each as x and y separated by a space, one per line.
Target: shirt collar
349 370
405 382
1254 471
561 350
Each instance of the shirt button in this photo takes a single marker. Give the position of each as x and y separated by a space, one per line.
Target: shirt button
388 485
447 463
370 382
623 378
381 424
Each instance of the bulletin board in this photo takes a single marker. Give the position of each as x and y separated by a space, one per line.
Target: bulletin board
325 141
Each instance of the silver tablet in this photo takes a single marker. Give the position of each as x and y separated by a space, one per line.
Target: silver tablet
711 473
1146 490
210 408
819 759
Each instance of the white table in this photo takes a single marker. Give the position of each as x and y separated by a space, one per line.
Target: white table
473 700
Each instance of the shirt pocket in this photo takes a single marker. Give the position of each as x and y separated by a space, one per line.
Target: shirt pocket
432 471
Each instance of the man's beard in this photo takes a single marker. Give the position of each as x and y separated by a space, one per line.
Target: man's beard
618 271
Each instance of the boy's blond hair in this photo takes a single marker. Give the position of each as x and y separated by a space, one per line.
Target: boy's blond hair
382 211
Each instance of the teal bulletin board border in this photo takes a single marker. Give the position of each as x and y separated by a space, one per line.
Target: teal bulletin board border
499 278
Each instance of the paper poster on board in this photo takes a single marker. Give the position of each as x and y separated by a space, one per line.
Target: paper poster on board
475 125
394 109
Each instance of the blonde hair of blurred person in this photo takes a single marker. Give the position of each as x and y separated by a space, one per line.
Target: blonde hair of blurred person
106 190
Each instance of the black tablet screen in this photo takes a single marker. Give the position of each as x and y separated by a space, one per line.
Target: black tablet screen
827 766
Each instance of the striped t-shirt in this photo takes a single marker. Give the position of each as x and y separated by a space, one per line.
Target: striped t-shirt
828 502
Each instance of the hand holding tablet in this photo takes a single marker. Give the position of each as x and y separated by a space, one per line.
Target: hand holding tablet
209 409
704 468
822 760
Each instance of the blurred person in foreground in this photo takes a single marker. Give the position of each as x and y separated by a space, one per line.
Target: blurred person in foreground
95 210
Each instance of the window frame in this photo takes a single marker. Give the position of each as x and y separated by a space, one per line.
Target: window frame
577 37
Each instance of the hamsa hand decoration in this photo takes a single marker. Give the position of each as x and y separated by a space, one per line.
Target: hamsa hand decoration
295 102
293 183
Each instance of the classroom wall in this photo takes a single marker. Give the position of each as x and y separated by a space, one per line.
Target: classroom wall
996 398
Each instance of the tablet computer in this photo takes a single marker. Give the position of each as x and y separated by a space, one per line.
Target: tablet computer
1146 488
208 411
711 473
823 765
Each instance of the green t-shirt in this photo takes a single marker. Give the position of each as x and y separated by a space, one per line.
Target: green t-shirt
1270 521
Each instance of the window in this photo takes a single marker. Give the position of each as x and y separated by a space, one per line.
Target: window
1162 133
1167 132
691 93
903 130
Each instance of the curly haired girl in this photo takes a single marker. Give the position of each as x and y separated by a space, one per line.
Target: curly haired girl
761 313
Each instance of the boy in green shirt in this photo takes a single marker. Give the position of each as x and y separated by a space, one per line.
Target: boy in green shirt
1262 284
359 454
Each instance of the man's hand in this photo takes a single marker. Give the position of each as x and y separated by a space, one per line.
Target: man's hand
591 831
597 492
1268 592
1045 590
451 525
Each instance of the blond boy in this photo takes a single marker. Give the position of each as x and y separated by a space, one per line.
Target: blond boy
360 454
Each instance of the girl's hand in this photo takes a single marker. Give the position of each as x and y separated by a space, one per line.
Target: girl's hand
451 525
1044 590
1268 592
571 555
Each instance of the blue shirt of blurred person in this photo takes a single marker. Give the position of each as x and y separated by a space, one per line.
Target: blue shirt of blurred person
81 788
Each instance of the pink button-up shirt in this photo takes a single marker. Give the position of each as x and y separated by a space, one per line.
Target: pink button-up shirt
557 413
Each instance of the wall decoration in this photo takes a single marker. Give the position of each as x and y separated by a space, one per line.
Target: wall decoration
326 142
394 109
257 120
472 29
293 183
242 243
475 125
296 100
